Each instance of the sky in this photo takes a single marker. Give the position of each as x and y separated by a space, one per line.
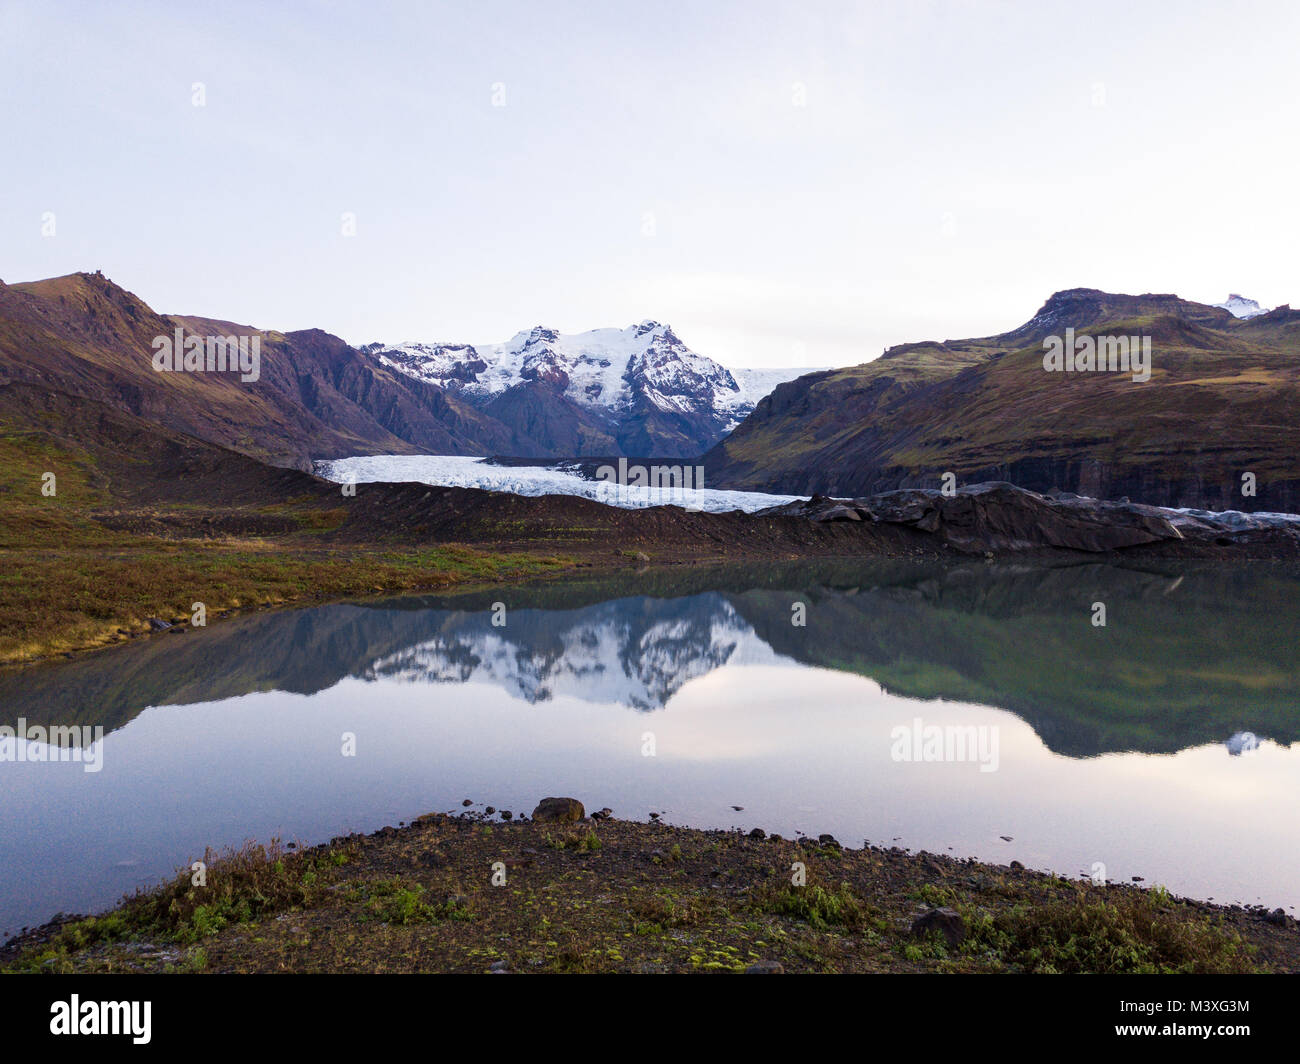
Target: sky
786 184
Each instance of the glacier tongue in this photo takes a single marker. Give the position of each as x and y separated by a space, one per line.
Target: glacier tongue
454 471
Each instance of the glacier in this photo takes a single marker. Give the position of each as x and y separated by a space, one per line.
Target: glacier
455 471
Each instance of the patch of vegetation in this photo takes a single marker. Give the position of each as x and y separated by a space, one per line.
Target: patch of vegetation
816 905
576 841
653 913
395 902
1132 932
241 886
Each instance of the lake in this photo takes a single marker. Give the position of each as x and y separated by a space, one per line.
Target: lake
972 709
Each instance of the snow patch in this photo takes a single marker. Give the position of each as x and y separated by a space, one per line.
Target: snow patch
1241 307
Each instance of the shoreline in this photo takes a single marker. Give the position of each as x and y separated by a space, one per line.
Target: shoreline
474 891
98 573
550 571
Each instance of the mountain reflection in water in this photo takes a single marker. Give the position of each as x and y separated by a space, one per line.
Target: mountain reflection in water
1186 657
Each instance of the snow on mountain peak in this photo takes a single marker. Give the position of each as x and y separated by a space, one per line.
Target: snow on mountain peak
1241 307
612 370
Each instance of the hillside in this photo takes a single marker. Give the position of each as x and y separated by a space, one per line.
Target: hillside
1223 399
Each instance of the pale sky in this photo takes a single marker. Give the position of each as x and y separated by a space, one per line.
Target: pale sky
787 184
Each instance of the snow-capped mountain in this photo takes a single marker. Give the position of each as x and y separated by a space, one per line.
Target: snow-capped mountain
631 652
1241 307
639 391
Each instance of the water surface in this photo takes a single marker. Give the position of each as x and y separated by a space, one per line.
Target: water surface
1114 745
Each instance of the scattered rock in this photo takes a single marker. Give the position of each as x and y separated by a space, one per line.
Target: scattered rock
829 840
507 815
499 967
467 803
947 922
558 811
758 833
158 624
766 968
1016 866
490 810
602 814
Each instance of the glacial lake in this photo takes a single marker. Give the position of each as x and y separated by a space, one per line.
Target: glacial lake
1161 745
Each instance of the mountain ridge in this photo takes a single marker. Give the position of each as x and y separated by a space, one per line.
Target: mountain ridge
1223 400
316 397
640 389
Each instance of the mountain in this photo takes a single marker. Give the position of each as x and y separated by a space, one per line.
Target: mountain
634 391
1241 307
314 396
1222 400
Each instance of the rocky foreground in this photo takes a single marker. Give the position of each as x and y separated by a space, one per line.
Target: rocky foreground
484 890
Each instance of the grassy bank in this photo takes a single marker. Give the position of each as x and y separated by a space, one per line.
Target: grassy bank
56 600
620 896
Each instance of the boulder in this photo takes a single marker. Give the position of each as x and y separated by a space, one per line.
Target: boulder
948 922
558 811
